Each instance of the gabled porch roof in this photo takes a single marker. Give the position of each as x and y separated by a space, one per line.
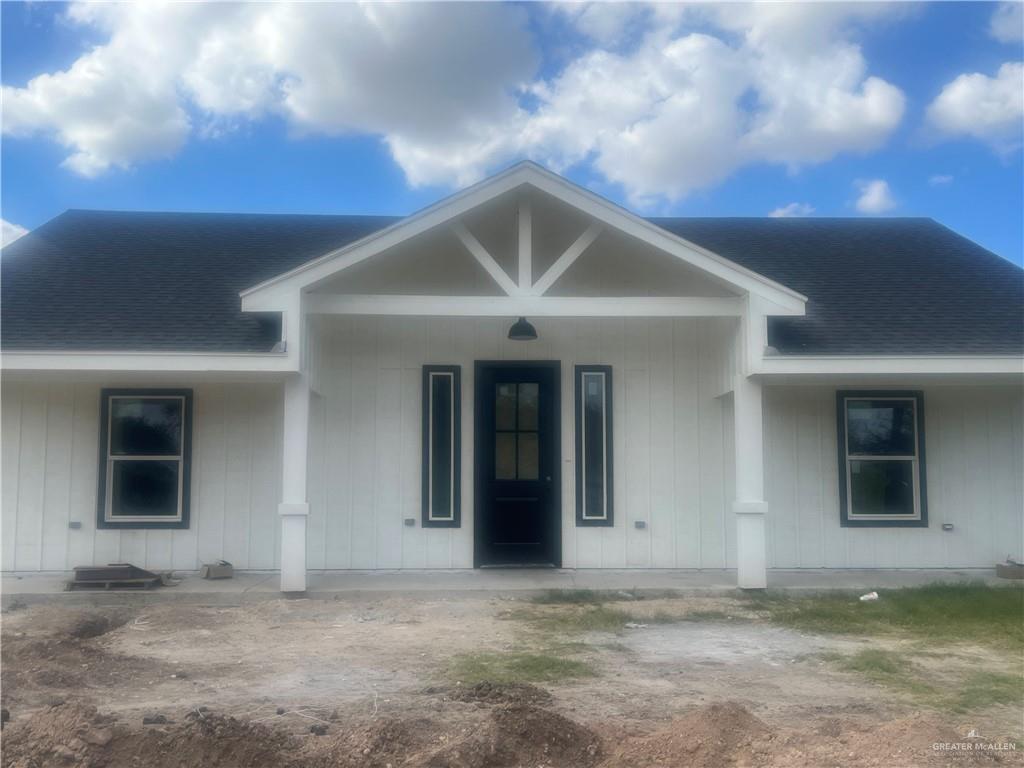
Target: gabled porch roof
524 178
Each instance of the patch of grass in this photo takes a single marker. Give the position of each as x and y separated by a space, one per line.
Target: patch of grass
984 689
888 668
474 668
974 613
598 618
571 597
704 616
973 692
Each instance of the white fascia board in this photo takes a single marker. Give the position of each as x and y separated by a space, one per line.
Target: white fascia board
266 295
516 306
449 209
892 365
142 362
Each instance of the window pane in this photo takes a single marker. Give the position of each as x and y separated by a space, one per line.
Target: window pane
145 426
441 446
505 406
529 456
593 445
529 402
505 456
880 427
144 489
882 487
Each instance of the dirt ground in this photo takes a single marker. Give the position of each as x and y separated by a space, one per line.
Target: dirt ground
379 683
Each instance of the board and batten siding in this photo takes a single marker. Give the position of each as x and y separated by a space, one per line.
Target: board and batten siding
50 461
974 465
672 439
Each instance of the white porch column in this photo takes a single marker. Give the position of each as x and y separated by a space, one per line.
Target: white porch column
749 506
294 508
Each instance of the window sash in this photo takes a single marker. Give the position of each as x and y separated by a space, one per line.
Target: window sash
111 458
599 375
851 513
450 517
594 463
434 379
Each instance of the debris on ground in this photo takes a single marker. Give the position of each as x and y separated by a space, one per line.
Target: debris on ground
869 597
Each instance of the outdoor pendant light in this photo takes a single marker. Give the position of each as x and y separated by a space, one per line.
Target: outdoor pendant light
521 330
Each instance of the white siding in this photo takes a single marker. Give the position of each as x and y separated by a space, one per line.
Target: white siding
672 437
50 462
973 463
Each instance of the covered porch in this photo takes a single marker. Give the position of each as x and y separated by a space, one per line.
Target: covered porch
674 333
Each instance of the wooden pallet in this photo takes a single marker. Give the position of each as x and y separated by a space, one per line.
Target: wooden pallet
113 576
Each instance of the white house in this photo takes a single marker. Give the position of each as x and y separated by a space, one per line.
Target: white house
521 374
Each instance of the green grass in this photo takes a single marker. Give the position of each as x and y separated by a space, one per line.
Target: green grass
596 618
984 689
974 613
571 597
956 692
472 668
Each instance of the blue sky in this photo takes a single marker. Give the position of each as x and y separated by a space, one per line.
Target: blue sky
824 110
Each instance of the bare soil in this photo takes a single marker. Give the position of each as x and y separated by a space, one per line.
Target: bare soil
374 680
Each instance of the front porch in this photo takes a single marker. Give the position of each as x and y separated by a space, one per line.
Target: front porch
25 589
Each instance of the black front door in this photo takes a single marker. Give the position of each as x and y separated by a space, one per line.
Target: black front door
517 464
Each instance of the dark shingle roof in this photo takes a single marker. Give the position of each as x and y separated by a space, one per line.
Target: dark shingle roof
104 280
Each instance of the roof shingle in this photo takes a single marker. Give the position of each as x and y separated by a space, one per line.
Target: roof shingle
112 281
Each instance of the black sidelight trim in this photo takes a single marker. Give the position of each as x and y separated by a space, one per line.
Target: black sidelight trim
844 502
186 459
585 465
442 430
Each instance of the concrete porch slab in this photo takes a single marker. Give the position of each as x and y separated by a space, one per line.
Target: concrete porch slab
22 589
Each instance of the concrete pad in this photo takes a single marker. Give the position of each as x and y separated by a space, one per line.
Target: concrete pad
21 589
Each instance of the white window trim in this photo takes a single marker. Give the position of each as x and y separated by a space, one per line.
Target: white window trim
914 460
450 517
108 502
604 443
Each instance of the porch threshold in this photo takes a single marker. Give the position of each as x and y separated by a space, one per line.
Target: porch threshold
24 589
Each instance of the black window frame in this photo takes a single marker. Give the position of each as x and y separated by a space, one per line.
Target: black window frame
608 520
847 520
455 520
186 460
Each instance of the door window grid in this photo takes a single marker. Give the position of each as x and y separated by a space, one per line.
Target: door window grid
516 436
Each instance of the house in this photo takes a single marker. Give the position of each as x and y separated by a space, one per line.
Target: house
523 374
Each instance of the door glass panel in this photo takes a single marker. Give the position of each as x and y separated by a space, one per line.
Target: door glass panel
529 456
505 456
529 398
505 406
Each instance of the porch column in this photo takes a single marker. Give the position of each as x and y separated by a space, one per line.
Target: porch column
749 506
294 508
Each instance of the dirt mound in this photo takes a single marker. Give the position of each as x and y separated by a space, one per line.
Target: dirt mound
708 737
77 736
68 734
521 736
503 693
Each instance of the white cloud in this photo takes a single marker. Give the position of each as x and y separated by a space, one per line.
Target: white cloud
10 232
940 180
1007 22
452 89
793 210
990 109
875 196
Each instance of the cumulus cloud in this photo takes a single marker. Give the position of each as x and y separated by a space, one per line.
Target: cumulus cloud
10 232
990 109
453 89
875 196
1007 22
792 210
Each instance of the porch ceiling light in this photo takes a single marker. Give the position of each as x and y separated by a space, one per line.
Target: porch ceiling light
522 330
